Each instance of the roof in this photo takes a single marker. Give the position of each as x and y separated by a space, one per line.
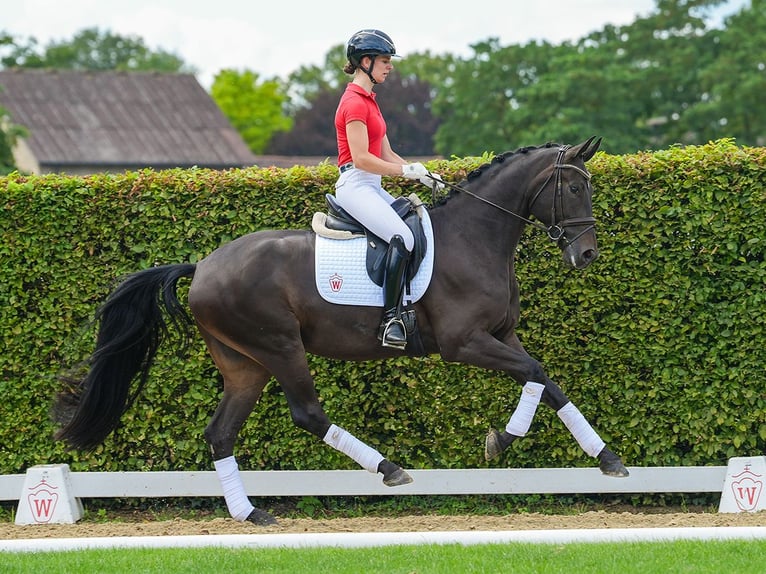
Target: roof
125 119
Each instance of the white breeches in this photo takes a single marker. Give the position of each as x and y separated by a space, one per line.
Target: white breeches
360 193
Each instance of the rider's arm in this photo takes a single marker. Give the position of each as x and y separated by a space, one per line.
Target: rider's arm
358 143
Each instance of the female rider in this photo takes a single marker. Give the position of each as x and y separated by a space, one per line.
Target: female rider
364 155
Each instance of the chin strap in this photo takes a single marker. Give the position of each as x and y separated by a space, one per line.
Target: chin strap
368 71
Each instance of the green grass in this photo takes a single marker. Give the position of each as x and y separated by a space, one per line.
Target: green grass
740 557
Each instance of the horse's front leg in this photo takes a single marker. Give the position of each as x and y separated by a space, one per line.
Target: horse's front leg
484 350
552 395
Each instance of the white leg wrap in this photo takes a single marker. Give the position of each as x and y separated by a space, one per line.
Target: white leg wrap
367 457
584 434
233 491
522 417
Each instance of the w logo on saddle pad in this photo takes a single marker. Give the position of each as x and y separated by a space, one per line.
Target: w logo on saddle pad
341 266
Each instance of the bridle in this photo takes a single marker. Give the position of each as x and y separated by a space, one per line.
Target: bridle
557 230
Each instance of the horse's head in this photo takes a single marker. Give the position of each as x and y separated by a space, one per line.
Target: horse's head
563 203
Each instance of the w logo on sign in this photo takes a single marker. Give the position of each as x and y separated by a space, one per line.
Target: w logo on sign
747 488
42 501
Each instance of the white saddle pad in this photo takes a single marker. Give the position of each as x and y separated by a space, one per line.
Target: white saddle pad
341 272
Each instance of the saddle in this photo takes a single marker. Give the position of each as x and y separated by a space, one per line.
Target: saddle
343 223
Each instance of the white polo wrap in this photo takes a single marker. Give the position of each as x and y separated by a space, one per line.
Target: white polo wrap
522 417
367 457
580 428
233 491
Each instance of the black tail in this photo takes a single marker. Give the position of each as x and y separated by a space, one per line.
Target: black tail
132 326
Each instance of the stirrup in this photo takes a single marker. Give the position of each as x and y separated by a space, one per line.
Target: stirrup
394 344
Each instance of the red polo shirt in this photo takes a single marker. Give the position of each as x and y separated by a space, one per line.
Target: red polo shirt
357 105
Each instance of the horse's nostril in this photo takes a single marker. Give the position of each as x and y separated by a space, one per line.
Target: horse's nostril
590 255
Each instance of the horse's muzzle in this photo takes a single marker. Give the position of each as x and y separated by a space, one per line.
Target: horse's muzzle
579 256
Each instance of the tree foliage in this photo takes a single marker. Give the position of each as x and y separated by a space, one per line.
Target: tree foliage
254 107
655 82
93 49
406 105
9 133
666 78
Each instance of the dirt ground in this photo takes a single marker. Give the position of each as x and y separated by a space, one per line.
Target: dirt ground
147 526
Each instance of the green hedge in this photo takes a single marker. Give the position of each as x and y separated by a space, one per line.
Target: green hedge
660 342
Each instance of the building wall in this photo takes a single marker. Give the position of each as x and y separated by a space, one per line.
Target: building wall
24 159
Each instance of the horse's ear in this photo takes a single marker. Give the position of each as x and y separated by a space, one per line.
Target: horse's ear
590 148
585 150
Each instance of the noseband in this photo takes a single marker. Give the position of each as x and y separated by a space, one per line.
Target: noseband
557 230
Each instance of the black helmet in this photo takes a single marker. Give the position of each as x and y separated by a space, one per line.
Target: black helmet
369 43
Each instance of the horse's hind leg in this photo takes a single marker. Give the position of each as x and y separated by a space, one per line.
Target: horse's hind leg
294 376
243 383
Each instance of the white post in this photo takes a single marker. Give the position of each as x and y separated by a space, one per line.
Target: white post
47 497
743 486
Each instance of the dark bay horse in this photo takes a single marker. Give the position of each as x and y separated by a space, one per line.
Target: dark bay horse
255 304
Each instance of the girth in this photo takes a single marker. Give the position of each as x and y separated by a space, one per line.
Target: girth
340 220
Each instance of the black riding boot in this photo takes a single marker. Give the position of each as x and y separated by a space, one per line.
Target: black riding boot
392 332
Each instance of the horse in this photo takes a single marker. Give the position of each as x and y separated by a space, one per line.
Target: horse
254 302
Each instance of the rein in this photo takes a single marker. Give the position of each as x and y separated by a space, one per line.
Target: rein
557 230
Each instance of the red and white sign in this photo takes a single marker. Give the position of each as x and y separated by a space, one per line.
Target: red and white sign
47 498
42 499
743 486
747 487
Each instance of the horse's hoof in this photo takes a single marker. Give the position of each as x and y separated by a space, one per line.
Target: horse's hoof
397 478
261 518
496 442
611 464
492 445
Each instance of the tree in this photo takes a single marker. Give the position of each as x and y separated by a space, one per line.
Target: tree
9 133
732 86
254 108
313 130
636 85
485 107
406 105
305 84
92 49
405 102
15 52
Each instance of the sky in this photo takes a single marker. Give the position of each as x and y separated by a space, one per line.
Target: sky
276 38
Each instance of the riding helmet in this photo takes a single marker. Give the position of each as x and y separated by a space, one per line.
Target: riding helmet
369 43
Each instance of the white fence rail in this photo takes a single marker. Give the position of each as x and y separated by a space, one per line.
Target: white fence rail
675 479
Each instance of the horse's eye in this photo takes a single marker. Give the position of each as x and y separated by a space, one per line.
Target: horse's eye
574 188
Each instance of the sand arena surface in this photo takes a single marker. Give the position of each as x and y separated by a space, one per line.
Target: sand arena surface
146 525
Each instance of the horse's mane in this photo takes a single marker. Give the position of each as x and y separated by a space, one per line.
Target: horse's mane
495 161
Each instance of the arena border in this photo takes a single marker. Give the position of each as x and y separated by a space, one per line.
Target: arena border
380 539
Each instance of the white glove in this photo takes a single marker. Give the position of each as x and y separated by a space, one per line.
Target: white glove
418 171
414 170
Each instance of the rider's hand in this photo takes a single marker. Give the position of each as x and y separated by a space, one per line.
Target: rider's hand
433 180
414 170
418 171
